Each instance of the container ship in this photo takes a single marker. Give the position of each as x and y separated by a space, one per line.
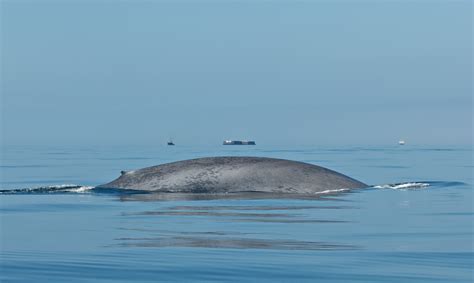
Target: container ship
231 142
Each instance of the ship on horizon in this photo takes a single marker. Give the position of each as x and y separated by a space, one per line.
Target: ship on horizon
235 142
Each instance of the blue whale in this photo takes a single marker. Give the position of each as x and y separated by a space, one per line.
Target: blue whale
234 175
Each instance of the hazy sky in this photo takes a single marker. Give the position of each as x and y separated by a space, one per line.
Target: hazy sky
279 72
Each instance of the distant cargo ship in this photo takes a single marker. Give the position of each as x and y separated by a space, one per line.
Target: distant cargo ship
230 142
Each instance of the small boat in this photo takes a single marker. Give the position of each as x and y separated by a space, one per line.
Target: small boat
401 142
170 142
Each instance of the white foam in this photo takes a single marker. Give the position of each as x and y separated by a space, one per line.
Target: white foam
82 189
68 188
58 186
331 191
403 186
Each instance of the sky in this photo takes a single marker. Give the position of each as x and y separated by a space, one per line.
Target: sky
277 72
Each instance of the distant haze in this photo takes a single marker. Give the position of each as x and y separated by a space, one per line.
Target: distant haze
277 72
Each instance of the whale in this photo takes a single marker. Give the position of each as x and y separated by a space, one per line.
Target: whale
234 174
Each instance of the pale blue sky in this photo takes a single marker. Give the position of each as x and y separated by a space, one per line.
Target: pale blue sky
279 72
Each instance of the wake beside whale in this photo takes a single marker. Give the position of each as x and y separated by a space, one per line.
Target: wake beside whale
214 175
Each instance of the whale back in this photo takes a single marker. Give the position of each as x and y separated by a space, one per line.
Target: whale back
234 174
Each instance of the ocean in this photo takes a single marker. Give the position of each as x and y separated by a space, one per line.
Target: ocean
413 224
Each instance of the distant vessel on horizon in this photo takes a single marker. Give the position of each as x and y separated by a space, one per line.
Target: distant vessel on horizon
401 142
170 142
233 142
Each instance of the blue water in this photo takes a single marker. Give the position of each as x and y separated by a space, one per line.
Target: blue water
420 232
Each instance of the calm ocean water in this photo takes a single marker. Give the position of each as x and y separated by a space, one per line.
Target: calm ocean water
414 224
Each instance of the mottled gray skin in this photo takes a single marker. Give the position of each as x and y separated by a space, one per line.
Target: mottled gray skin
234 175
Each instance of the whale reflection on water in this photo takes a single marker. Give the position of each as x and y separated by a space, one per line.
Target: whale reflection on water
185 235
157 196
231 243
